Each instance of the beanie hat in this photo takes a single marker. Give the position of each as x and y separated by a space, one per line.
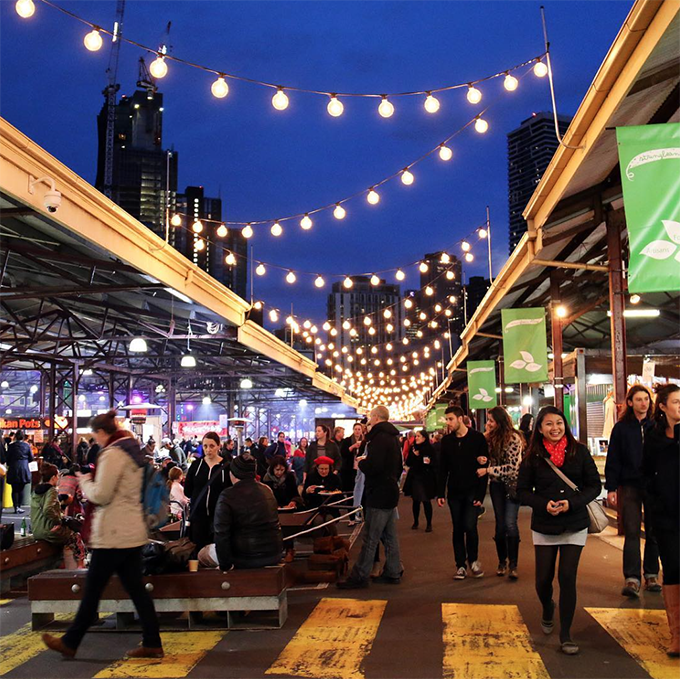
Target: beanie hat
323 459
243 466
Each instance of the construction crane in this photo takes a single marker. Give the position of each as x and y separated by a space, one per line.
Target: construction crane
110 94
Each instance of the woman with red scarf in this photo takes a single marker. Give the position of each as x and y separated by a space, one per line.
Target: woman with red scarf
559 521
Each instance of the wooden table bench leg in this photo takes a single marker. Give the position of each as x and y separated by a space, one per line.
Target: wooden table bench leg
40 620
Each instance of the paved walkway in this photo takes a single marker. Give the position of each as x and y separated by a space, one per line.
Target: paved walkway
428 627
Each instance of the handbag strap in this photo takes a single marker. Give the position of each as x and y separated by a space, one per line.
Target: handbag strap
564 478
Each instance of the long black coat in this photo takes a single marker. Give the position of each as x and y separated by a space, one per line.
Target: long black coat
421 480
18 456
661 471
382 466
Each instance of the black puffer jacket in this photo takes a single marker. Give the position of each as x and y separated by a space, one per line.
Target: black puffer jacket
661 469
247 531
538 483
624 456
382 466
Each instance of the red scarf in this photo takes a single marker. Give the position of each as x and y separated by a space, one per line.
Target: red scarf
556 450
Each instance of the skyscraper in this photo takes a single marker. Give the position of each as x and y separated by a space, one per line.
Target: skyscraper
530 148
196 206
144 174
475 290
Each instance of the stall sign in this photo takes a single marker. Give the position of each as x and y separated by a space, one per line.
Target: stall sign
32 423
482 384
525 348
190 429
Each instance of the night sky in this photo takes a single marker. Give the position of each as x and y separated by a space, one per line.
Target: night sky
268 164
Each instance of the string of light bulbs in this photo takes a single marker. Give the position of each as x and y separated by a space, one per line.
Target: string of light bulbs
280 101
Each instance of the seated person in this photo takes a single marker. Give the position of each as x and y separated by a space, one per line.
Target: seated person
47 520
283 484
247 531
320 482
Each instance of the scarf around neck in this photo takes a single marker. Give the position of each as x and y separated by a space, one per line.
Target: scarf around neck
556 450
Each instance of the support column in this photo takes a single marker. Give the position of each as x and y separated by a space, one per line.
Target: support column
617 303
172 407
581 396
112 391
52 402
556 329
501 377
75 382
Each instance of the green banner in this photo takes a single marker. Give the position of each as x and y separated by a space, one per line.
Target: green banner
482 384
525 350
435 417
649 157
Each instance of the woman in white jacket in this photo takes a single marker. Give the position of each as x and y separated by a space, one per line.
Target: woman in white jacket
118 534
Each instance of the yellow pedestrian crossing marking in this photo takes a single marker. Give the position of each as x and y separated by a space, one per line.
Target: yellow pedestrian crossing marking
4 601
333 641
644 634
183 651
485 642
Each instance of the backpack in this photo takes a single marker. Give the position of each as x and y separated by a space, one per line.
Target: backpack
155 498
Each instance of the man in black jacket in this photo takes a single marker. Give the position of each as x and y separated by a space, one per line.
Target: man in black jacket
459 484
381 464
247 530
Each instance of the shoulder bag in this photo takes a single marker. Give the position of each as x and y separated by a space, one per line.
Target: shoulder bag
596 514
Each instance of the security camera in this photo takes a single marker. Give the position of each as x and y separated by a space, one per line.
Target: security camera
52 198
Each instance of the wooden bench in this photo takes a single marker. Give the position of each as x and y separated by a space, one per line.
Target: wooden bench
26 557
244 599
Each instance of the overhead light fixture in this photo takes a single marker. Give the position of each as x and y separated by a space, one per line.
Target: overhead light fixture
138 346
188 361
639 313
207 400
246 383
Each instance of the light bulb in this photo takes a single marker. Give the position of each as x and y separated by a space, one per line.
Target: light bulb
197 226
219 88
339 212
291 277
386 109
348 282
373 197
469 257
423 267
247 231
431 104
510 83
371 331
222 231
450 275
367 320
389 327
465 246
260 270
375 280
176 220
199 245
407 178
481 125
483 233
429 291
280 100
408 303
335 106
319 282
407 323
138 345
306 222
561 311
445 258
445 153
93 40
635 299
400 275
25 8
387 313
422 316
276 229
474 96
230 259
452 299
158 68
540 70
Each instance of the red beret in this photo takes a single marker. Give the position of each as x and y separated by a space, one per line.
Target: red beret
324 460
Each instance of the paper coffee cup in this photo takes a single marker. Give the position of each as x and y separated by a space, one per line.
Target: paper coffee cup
193 565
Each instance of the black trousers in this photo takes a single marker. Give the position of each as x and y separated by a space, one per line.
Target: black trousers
631 501
17 494
127 564
465 537
669 548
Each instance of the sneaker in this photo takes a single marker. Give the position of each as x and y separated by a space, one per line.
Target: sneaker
351 583
652 584
461 573
631 588
476 568
502 570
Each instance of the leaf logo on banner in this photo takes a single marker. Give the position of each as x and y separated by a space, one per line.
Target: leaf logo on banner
662 249
523 321
483 396
481 370
526 363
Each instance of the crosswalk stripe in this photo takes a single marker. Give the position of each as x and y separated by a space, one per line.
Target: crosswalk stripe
333 641
4 601
487 641
643 634
183 651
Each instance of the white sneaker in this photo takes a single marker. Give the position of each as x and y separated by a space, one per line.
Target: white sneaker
476 569
461 574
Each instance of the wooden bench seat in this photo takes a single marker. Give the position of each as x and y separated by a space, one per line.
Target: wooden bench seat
246 599
25 558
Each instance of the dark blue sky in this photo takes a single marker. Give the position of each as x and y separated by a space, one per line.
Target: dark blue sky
267 163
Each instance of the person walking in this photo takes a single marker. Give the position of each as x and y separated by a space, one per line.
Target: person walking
276 449
625 486
118 534
661 472
18 475
382 467
323 446
559 520
421 480
505 455
463 489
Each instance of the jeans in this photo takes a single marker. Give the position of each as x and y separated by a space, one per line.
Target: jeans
631 499
359 483
380 525
465 537
507 533
127 563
